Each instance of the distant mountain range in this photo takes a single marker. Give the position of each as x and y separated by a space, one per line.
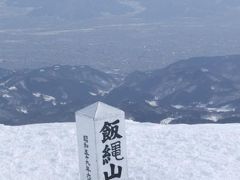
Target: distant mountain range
197 90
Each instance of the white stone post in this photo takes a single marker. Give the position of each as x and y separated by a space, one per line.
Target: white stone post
101 143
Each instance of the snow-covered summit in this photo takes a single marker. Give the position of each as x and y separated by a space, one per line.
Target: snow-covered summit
172 152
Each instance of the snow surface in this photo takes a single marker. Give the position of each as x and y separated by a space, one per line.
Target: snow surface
222 109
22 109
213 117
167 120
46 98
152 103
178 106
12 88
155 152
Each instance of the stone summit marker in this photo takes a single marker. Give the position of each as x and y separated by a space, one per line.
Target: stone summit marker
101 143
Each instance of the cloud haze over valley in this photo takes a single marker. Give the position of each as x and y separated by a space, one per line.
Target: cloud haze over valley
125 34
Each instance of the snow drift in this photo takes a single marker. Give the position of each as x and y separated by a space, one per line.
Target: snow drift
155 152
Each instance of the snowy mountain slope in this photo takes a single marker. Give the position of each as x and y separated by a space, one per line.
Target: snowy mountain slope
197 90
52 91
174 152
